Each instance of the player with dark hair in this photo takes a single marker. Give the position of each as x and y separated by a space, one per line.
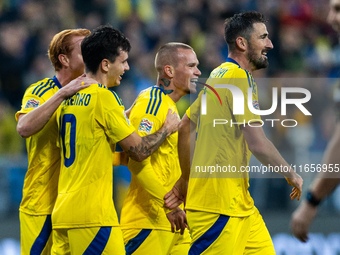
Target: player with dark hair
37 122
90 123
145 228
221 213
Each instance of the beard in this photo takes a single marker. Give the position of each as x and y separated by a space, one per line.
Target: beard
258 62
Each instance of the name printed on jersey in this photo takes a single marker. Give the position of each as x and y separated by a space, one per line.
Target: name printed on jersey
79 99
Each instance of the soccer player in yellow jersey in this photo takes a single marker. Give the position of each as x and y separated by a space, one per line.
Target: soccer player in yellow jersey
145 228
37 123
221 213
326 182
90 123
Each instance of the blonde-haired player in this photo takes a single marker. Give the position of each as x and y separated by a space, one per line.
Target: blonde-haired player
37 123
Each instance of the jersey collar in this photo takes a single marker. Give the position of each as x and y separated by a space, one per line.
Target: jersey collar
57 82
232 61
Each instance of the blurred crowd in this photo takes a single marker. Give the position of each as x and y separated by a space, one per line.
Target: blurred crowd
305 46
304 43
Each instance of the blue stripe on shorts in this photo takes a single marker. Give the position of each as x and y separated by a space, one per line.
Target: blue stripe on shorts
40 243
99 242
202 243
135 242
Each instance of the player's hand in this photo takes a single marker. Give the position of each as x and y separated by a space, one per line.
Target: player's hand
297 182
302 218
177 195
75 85
178 219
171 122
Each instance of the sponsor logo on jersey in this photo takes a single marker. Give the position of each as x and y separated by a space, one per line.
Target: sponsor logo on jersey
32 103
145 126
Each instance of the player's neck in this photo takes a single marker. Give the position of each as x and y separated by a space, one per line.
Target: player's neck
242 61
169 89
64 77
99 77
175 96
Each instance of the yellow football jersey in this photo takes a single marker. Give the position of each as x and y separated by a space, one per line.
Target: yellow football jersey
140 209
217 183
41 180
90 124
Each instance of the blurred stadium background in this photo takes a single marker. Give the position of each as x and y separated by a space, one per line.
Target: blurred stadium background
305 49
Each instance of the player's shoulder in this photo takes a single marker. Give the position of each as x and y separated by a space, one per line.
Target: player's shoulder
43 87
229 70
157 101
151 92
106 94
116 98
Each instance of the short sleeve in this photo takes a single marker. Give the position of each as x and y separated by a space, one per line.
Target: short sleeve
143 122
116 125
29 103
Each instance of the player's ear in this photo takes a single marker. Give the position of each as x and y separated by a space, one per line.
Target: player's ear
241 43
105 65
169 71
63 59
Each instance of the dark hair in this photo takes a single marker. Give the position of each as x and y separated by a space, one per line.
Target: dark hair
104 42
241 25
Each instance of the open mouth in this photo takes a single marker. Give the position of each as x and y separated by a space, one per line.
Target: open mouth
194 80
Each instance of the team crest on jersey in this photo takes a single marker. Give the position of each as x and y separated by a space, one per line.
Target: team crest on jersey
145 126
256 104
127 119
32 103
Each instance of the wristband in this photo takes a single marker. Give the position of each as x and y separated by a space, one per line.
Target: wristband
312 200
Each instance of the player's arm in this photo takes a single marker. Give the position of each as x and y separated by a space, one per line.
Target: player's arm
139 148
186 133
120 158
267 154
326 182
33 121
147 177
322 186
